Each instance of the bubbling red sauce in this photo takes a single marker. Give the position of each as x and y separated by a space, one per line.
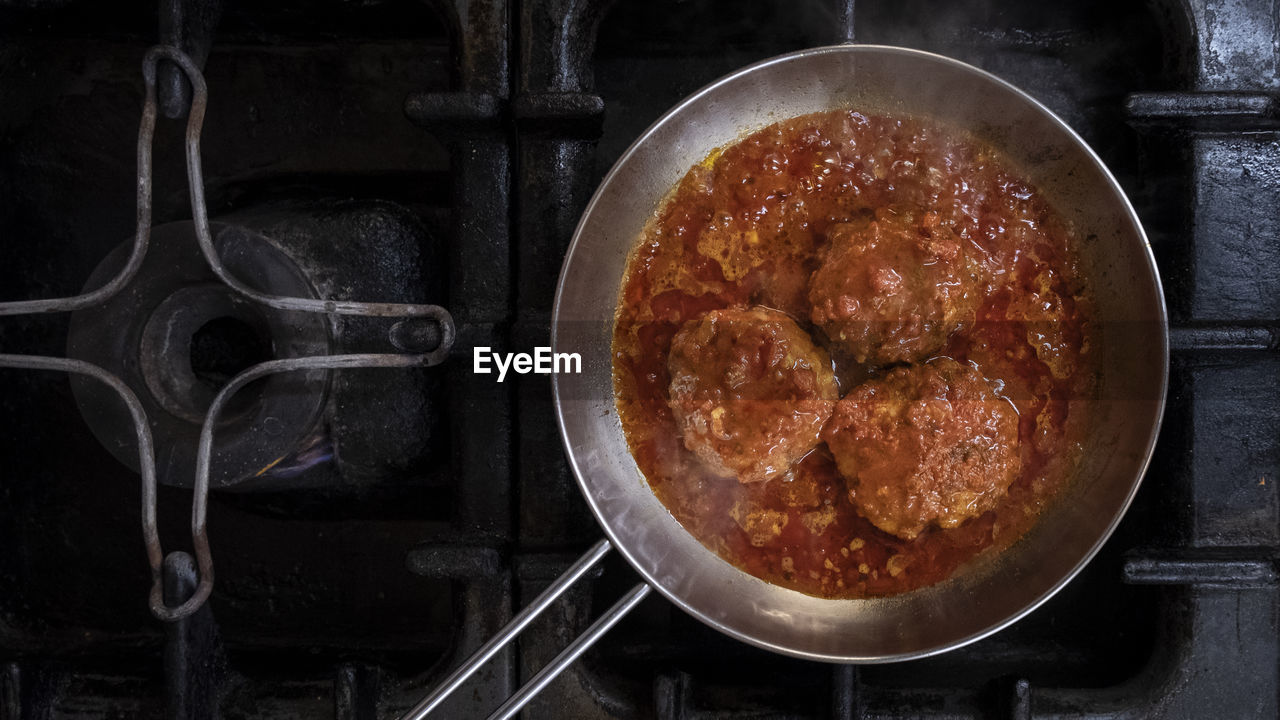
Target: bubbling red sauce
748 227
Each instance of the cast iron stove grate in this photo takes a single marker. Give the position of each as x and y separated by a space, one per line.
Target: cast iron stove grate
529 104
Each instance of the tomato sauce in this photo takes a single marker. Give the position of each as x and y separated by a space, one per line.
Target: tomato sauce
747 226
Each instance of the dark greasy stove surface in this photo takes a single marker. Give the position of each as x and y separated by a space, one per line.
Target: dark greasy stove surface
471 133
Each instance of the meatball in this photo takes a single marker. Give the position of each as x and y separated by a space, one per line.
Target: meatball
749 390
892 290
926 443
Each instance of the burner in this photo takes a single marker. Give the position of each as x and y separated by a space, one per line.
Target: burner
177 334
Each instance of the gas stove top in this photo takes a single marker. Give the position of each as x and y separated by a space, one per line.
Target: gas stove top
371 527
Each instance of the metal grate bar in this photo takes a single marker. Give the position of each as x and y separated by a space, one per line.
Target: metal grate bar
1236 338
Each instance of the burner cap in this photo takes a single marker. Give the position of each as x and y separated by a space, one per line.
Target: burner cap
176 335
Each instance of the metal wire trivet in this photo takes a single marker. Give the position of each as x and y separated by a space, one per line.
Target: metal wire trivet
141 424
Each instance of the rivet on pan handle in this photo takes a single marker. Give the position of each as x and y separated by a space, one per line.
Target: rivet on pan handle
566 657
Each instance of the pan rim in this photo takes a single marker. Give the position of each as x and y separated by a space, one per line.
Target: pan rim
1145 454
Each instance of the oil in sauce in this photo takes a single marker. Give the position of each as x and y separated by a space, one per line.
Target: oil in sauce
747 227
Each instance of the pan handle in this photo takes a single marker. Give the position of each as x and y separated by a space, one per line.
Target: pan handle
508 633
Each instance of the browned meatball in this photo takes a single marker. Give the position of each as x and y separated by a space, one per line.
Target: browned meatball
749 390
892 290
926 443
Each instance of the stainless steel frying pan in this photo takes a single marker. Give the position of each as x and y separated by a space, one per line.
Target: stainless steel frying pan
992 592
